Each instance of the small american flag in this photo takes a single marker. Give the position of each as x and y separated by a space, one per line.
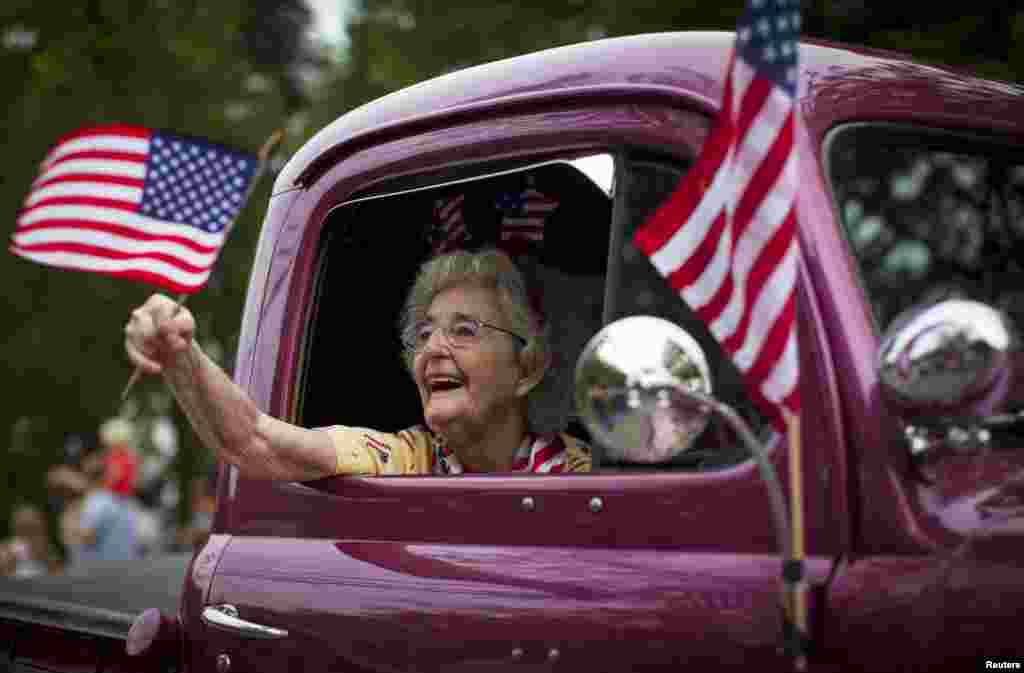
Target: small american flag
725 239
449 232
524 213
134 202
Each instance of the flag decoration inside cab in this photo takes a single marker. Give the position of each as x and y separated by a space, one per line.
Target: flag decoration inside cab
134 202
725 239
449 231
522 213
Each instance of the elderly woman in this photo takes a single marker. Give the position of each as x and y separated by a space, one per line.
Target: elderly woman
474 346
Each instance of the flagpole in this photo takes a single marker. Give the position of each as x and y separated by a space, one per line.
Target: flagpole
264 159
796 584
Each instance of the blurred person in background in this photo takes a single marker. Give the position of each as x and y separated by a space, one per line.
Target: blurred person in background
118 441
98 524
28 552
66 486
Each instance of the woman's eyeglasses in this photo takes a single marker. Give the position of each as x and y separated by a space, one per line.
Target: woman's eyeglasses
462 332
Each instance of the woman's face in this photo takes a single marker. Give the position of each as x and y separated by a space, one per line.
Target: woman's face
466 390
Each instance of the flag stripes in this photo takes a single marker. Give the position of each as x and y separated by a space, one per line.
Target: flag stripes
726 238
131 202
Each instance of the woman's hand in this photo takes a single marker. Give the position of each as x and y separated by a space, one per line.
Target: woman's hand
158 339
157 333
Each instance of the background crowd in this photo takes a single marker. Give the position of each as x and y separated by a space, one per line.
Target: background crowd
110 502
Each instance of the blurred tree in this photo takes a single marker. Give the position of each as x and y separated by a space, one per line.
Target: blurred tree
275 36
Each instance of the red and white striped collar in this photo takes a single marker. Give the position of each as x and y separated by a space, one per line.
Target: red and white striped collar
543 454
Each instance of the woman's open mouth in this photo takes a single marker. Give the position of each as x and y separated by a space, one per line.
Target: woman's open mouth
443 384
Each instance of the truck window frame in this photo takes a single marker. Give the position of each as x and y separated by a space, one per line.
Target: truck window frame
622 216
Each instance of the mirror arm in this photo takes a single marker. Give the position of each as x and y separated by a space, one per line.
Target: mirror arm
769 476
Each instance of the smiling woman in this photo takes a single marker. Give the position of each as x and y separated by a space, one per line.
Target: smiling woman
476 350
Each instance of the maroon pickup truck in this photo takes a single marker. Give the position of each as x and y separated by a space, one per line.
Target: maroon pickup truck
911 224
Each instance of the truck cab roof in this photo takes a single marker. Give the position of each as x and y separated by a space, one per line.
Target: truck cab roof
837 83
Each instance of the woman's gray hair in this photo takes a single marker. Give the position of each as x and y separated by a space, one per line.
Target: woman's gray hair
491 268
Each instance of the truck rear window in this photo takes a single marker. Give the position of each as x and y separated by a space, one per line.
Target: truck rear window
931 215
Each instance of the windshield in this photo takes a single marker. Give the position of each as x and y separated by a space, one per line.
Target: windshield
931 215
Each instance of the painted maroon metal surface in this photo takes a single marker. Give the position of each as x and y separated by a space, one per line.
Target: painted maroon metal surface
34 647
840 83
979 496
352 606
643 511
195 596
55 649
8 632
626 68
873 462
925 613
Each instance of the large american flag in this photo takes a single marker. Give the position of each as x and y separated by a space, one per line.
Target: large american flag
134 202
725 239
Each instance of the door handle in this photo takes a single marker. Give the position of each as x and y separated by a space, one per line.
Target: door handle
225 617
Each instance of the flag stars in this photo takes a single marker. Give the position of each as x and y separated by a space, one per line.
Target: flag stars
195 184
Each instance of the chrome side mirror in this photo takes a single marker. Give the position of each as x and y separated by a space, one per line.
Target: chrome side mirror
952 358
643 389
631 380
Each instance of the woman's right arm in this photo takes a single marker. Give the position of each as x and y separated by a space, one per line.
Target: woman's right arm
159 340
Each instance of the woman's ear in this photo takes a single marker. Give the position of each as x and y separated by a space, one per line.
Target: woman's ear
533 367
